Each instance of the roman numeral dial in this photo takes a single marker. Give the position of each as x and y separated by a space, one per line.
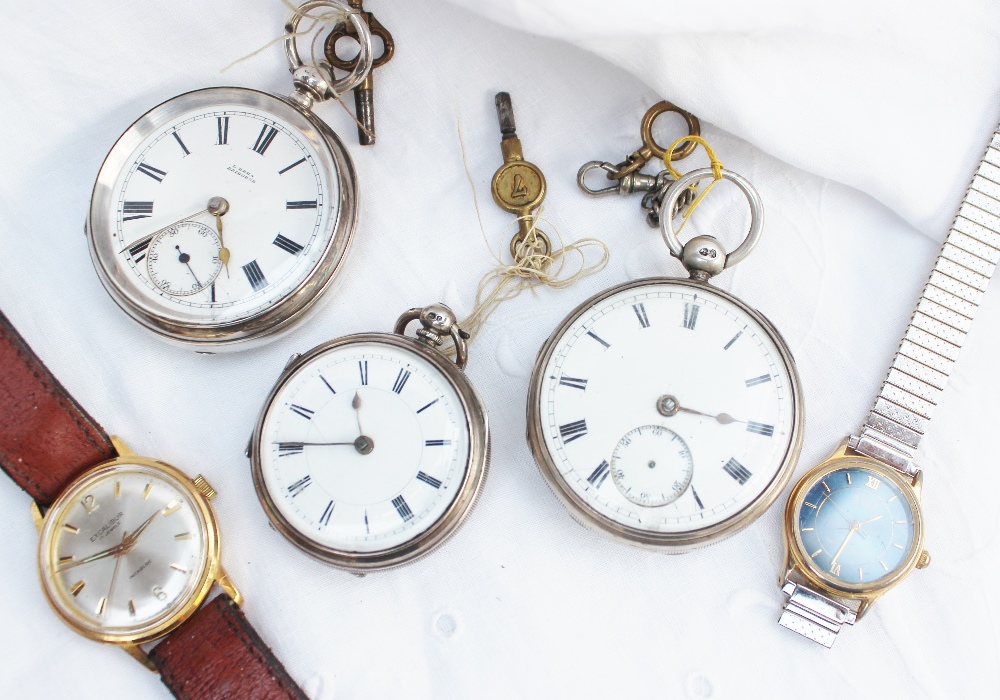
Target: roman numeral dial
278 224
663 407
365 446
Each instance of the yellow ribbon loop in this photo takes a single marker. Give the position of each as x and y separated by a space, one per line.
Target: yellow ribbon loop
716 166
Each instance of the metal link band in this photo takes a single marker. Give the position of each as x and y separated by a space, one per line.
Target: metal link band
813 615
944 313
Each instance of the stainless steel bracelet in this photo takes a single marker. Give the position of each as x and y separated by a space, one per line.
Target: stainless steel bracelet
813 615
920 369
944 313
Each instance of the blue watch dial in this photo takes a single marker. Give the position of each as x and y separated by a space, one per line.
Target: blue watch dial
856 525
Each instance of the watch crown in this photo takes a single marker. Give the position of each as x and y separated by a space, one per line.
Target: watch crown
925 560
204 488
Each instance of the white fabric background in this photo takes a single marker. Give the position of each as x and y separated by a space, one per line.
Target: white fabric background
860 125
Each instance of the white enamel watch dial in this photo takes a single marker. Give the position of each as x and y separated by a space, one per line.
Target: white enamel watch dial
270 182
684 396
124 550
369 451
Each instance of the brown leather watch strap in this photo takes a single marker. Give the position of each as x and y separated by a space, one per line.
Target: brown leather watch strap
217 654
46 438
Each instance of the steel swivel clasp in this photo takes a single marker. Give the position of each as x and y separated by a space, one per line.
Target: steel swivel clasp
627 177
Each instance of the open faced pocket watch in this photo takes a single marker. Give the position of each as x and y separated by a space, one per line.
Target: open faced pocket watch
129 547
665 412
371 449
221 216
854 524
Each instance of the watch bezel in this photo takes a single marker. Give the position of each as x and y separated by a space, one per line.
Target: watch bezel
800 561
672 542
476 467
293 306
211 571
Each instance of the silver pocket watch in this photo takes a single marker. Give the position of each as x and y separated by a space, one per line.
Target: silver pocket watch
665 412
371 449
222 215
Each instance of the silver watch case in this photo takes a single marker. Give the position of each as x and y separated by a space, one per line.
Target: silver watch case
277 318
671 542
476 467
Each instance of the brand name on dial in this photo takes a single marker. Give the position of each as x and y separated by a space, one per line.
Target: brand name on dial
139 570
108 528
245 174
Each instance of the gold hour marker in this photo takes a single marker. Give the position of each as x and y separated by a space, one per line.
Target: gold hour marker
898 546
172 507
883 564
891 499
118 489
808 529
183 536
861 574
825 486
145 491
90 503
131 608
179 568
100 606
811 505
68 558
813 555
71 528
77 587
848 478
899 522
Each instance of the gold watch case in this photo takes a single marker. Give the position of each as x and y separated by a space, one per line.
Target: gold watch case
799 567
198 491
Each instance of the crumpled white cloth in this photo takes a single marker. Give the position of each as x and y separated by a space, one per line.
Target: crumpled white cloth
894 97
860 124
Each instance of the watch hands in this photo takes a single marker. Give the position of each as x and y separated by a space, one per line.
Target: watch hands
356 405
668 405
854 528
103 554
362 444
114 574
217 207
307 444
723 418
131 540
186 259
153 235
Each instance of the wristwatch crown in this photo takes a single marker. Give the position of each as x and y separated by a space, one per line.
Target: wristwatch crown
204 488
925 560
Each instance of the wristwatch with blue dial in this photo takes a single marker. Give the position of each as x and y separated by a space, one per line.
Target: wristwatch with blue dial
853 524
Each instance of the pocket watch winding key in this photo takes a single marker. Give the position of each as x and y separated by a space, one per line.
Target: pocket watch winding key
854 524
665 412
220 216
371 449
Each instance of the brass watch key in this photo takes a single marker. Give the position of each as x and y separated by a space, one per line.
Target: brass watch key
364 101
518 186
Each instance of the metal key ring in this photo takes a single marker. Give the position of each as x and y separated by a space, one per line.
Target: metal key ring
363 63
678 187
646 130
